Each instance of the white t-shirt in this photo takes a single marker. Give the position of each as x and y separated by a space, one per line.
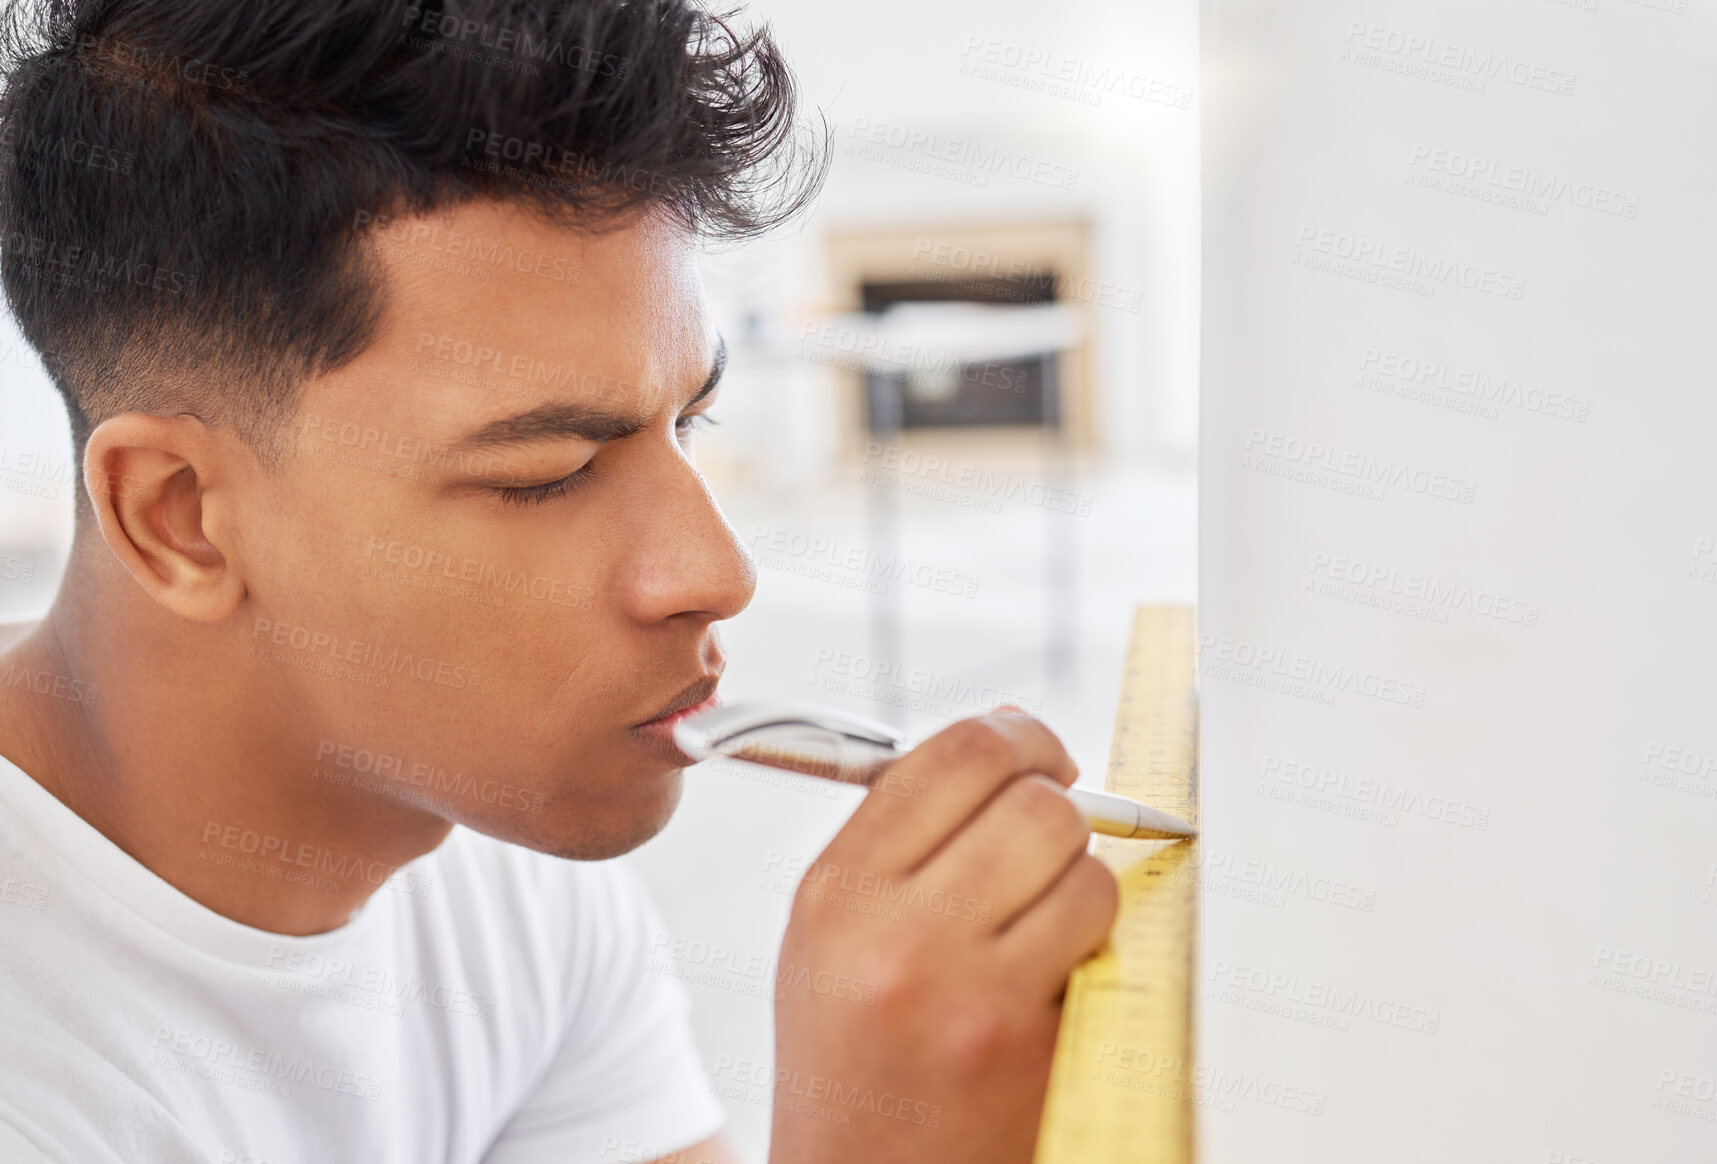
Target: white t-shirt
487 1004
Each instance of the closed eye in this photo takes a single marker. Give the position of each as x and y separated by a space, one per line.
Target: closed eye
548 490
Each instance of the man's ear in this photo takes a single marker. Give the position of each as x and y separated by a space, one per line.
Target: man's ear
161 500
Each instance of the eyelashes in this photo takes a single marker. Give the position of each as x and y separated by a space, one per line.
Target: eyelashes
548 490
528 495
687 425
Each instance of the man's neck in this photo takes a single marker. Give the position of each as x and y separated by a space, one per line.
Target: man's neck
149 729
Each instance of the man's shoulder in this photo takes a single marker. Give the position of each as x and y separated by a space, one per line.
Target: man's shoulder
67 1095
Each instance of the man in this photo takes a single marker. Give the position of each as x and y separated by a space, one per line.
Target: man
382 338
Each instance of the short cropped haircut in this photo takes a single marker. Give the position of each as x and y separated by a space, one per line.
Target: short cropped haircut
185 185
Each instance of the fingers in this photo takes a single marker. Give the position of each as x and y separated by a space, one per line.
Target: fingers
924 797
1065 926
1015 848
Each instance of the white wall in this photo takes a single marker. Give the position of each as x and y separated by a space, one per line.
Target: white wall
1566 949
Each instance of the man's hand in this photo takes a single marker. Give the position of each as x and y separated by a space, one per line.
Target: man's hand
920 982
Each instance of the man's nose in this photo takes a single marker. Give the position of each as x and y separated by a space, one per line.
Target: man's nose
687 560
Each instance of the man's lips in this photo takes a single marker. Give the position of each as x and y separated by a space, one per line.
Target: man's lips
657 735
691 699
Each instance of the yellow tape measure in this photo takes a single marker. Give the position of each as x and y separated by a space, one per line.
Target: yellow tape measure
1122 1085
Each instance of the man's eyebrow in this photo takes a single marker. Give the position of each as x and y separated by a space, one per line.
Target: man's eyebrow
548 422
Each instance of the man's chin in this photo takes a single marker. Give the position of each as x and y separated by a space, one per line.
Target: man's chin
595 832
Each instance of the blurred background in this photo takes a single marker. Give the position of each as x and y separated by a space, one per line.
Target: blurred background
957 430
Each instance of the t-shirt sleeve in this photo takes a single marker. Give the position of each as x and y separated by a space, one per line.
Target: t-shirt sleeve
625 1084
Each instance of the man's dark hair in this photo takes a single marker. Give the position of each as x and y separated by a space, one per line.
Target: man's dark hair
185 185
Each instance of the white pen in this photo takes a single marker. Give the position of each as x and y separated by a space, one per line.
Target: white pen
820 741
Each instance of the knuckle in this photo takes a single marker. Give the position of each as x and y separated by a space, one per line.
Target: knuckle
1041 730
978 743
897 976
975 1039
1044 807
